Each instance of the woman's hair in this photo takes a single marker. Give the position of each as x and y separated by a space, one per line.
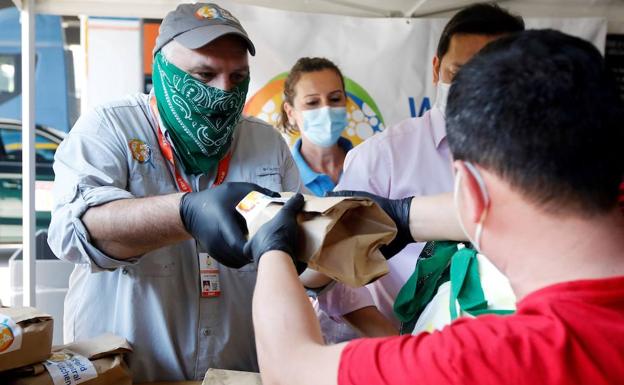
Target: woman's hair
303 66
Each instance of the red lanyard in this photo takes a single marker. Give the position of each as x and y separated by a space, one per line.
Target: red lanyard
167 151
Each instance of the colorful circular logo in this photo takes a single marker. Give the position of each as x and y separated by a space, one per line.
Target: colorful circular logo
206 12
364 116
141 152
6 337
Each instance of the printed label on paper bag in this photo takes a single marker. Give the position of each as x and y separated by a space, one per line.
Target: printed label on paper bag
10 335
253 204
67 368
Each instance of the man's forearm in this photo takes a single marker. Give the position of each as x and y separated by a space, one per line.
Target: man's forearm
288 336
434 218
127 228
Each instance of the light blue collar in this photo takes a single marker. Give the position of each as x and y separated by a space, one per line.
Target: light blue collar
307 174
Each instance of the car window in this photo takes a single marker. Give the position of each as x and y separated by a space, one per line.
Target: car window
11 140
10 81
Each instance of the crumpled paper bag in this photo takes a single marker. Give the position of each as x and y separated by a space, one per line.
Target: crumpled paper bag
25 336
340 236
97 361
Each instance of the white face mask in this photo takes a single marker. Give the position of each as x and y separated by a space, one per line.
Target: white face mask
476 241
323 126
442 91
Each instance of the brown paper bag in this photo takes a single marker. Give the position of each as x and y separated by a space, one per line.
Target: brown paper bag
231 377
25 336
97 361
340 236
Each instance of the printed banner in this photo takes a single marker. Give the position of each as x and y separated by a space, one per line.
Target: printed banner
387 62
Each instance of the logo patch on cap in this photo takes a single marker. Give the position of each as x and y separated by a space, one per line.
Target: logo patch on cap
226 14
207 12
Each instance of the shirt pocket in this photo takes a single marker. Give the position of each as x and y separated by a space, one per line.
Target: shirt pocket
269 177
155 265
148 180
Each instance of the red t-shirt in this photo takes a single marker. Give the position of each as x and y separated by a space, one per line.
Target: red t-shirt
569 333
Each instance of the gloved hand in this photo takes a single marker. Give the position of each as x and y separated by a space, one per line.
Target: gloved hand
210 216
280 233
397 209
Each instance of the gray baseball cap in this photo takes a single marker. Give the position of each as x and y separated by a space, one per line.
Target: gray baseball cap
195 25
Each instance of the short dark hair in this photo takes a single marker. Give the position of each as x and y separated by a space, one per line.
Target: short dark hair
303 66
541 110
480 19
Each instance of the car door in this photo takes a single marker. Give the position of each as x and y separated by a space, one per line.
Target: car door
11 180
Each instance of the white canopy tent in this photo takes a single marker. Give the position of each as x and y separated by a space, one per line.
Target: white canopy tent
612 10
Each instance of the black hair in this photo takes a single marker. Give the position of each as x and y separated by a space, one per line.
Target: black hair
481 19
541 110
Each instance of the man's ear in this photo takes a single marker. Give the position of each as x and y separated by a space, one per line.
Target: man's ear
290 114
436 69
475 202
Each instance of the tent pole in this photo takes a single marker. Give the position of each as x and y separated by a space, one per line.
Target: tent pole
28 152
366 8
415 8
415 14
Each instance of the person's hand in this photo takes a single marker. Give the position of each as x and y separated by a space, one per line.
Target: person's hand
397 209
210 216
280 233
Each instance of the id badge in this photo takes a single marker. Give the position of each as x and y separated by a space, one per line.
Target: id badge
209 276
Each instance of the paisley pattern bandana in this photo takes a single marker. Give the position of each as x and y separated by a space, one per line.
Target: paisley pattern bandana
200 119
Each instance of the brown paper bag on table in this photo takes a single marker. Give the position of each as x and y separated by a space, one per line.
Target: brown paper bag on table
341 236
231 377
25 336
97 361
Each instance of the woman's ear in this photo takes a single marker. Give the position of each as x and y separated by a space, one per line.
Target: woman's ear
471 193
290 114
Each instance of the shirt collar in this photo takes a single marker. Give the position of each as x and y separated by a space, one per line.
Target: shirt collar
307 174
438 125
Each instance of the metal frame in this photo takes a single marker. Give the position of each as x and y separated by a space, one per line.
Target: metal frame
28 151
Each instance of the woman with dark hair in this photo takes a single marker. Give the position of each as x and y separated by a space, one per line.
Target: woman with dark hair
315 106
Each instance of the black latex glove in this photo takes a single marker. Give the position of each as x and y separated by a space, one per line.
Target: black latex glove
280 233
210 216
397 209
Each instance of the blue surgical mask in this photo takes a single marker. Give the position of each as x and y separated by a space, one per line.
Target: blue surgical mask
323 126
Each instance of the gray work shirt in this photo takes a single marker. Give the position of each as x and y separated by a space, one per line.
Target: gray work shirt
155 301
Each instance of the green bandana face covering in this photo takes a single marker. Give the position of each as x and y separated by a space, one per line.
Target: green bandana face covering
200 119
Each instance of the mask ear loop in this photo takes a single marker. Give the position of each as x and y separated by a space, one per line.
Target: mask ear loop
486 201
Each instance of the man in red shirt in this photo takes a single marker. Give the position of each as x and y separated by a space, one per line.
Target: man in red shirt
534 123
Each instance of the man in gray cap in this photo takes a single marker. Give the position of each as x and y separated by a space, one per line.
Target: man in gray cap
135 210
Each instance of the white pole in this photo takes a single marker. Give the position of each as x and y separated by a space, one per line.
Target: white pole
28 151
84 43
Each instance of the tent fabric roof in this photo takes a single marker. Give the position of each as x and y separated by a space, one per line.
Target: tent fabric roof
613 10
